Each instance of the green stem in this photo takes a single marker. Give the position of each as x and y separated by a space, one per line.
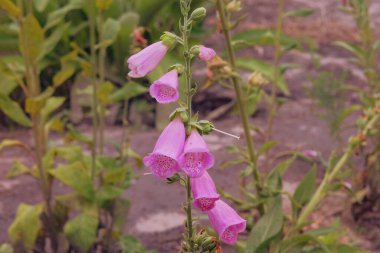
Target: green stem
34 90
330 176
102 74
277 56
91 6
188 77
240 99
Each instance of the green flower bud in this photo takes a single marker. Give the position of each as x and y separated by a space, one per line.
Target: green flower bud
198 14
169 39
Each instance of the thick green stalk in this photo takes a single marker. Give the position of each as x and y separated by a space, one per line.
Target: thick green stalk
240 98
91 6
34 90
330 176
187 56
277 56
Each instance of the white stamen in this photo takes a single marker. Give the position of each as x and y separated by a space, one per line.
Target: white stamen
228 134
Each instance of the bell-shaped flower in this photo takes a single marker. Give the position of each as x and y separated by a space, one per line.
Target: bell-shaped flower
196 157
206 53
226 222
146 60
163 161
204 192
165 89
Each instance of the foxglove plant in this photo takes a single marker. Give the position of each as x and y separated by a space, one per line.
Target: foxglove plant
172 152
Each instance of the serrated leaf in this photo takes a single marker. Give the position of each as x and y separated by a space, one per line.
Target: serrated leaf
300 13
128 91
269 226
305 190
81 231
76 175
266 69
13 110
31 38
26 225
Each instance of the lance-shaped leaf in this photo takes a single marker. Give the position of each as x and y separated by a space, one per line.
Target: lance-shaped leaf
111 30
26 225
304 191
31 38
267 228
13 110
128 91
10 7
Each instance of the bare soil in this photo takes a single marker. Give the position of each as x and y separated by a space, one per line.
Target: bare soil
156 214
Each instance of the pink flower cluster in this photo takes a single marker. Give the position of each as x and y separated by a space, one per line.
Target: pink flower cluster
173 151
165 89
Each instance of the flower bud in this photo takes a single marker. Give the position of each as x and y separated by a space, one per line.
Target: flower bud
234 6
206 126
256 79
198 14
169 39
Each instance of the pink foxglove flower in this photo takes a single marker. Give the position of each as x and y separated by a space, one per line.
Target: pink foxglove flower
206 53
163 161
227 223
146 60
204 192
165 89
196 157
310 153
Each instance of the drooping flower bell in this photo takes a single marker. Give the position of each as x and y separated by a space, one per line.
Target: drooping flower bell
206 53
146 60
226 222
163 161
204 192
165 89
196 157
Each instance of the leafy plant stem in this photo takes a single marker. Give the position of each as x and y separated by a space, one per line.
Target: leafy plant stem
34 90
240 99
187 55
330 176
91 6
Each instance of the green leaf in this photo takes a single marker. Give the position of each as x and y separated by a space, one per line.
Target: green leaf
13 110
266 69
103 4
40 5
31 38
128 91
111 30
81 231
297 241
267 228
10 7
56 17
51 105
356 50
130 244
107 193
52 41
104 92
266 147
77 177
17 169
305 190
300 13
261 37
121 210
26 225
